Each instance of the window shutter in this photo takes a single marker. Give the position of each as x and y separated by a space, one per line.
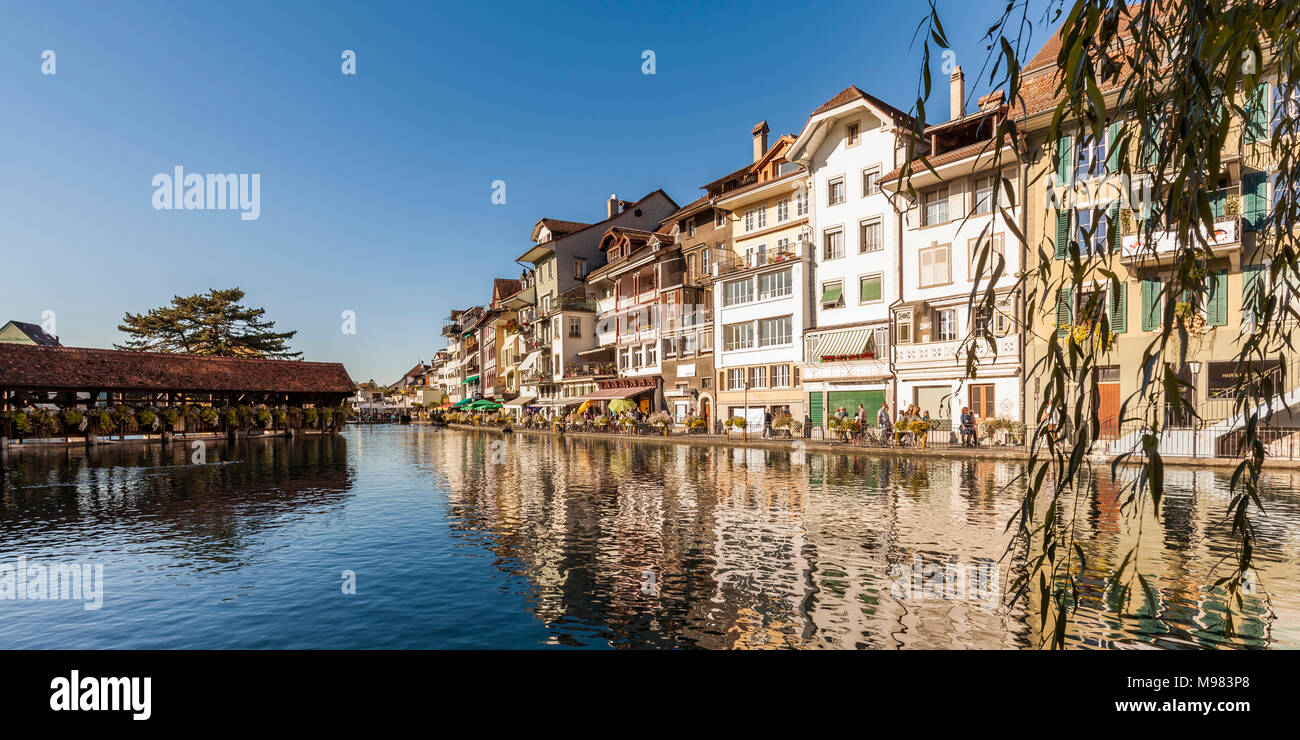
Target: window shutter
1257 115
1217 310
1063 312
1255 187
1150 304
1118 306
1062 234
1251 284
1116 231
1064 158
1151 147
1113 136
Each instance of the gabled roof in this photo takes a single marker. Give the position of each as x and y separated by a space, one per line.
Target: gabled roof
504 288
599 224
852 93
559 227
81 368
35 333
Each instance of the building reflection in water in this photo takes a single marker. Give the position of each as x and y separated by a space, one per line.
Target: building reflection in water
646 544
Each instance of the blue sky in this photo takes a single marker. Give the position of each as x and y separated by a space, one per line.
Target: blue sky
376 188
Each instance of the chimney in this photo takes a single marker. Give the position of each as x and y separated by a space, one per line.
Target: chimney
957 93
760 140
612 208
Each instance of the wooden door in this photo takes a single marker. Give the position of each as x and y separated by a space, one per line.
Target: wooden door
982 402
1108 409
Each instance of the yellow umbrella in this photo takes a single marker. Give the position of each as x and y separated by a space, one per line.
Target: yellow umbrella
619 405
585 405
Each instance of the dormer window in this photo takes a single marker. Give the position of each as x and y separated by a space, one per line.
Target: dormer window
853 134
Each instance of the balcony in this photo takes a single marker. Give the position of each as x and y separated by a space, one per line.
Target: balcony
953 353
1225 233
590 370
572 304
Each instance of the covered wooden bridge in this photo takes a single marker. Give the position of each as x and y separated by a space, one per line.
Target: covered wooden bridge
75 377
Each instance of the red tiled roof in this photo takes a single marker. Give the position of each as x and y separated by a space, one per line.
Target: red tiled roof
560 227
81 368
852 93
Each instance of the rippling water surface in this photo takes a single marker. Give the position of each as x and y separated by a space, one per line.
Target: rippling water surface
469 540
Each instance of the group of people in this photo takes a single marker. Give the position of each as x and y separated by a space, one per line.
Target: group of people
897 430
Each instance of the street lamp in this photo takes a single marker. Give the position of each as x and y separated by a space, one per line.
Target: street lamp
744 384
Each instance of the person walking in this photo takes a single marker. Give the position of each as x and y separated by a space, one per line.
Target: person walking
862 423
967 427
885 424
767 422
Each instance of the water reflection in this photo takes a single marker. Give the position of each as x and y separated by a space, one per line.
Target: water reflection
760 548
464 540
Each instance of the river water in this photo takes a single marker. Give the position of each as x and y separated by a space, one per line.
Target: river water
413 537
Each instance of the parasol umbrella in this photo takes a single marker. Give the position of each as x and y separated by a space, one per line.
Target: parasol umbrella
484 405
619 405
462 403
585 405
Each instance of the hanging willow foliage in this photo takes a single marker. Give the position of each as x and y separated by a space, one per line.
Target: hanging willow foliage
1173 87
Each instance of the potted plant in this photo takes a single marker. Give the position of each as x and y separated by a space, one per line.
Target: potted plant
782 422
662 420
735 422
695 424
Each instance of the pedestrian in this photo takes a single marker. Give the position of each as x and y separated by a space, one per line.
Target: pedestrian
967 427
767 422
885 424
862 421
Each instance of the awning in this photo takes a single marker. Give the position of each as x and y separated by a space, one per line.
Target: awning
521 401
840 343
832 293
530 360
557 402
607 394
470 379
596 351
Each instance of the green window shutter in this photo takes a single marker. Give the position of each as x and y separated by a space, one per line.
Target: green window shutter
1151 145
1063 312
815 408
1118 306
870 290
1064 158
1251 283
1150 304
1062 234
1216 309
1257 115
1255 206
1116 233
832 293
1113 136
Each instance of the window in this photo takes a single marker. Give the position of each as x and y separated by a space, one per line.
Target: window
720 219
833 294
1089 157
869 289
903 327
738 336
878 344
738 291
934 266
761 214
853 134
736 379
758 377
670 347
1089 238
579 268
1004 318
801 203
704 262
783 211
981 400
996 254
575 326
934 207
870 181
869 236
706 341
983 195
652 353
637 356
833 244
749 220
945 323
690 227
835 191
780 376
774 332
775 284
688 345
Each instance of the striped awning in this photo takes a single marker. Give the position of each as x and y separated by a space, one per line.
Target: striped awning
529 361
840 343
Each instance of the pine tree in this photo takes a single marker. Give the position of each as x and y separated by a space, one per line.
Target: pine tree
214 324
